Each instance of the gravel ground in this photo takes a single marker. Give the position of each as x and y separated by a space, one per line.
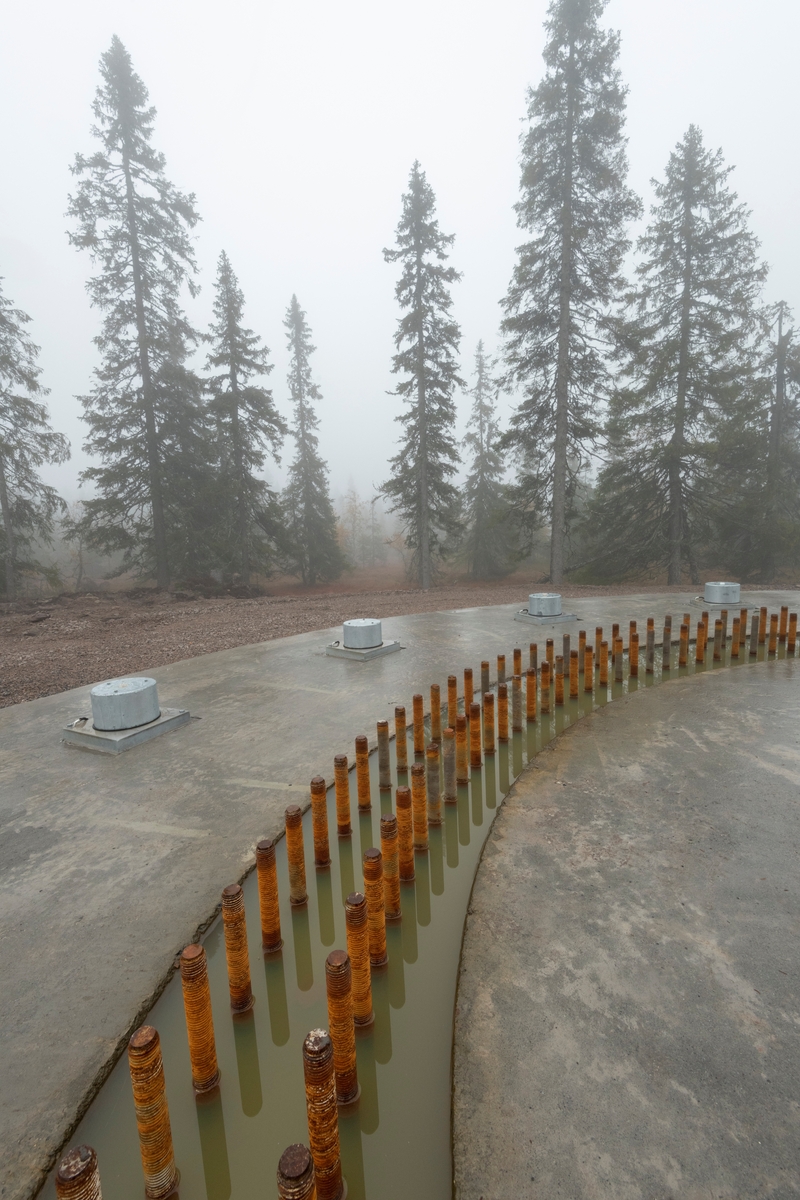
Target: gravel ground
71 640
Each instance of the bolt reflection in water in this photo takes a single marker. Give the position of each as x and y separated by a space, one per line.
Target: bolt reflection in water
213 1146
423 886
301 932
368 1110
451 835
327 927
346 867
383 1018
276 998
436 858
244 1036
491 785
396 968
408 926
463 814
352 1155
476 784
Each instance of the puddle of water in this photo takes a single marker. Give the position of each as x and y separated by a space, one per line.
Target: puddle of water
396 1143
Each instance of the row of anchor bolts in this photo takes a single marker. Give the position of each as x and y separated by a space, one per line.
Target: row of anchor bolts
329 1056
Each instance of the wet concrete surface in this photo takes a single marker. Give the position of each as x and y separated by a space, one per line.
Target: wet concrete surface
628 1020
111 864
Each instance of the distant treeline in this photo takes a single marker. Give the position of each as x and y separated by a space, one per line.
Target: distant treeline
656 426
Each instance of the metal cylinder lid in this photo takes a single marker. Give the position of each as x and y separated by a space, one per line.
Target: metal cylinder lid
124 703
364 633
544 604
722 593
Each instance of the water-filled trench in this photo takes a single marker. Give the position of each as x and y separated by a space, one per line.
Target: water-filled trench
396 1142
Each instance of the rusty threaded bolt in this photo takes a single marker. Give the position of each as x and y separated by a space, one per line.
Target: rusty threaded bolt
545 688
614 632
469 689
517 657
341 780
433 784
449 765
754 626
436 713
683 649
152 1114
717 640
700 642
296 1174
559 681
773 633
357 926
736 637
78 1176
199 1019
488 722
598 637
784 622
666 647
502 712
633 654
400 738
338 988
475 757
296 855
791 641
742 627
391 866
632 629
362 774
533 656
501 668
604 664
573 674
619 659
530 694
723 616
405 833
234 924
418 708
588 669
319 822
516 704
323 1114
485 683
462 754
762 626
452 700
384 758
376 912
565 652
550 652
419 806
650 662
268 902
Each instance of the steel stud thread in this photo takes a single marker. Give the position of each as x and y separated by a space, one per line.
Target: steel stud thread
234 924
78 1176
518 662
405 833
296 1174
295 854
604 664
341 779
400 739
784 623
516 704
754 624
545 702
650 650
633 654
683 649
418 709
550 653
742 626
559 680
357 926
391 867
598 637
488 723
762 626
475 757
268 903
773 633
436 713
419 804
462 754
501 668
666 647
619 656
452 700
614 634
485 683
791 640
631 632
588 669
384 760
449 765
362 774
199 1019
736 637
338 987
319 822
574 672
376 911
323 1114
565 650
152 1114
530 694
718 640
469 690
581 650
723 616
502 712
700 642
687 619
533 656
433 783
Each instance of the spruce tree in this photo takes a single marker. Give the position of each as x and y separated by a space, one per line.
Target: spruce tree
313 548
247 423
576 205
427 341
687 359
487 542
27 503
135 225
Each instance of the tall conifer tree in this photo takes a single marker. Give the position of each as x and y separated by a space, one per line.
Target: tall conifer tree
427 341
27 503
575 205
135 225
487 541
247 423
313 548
688 359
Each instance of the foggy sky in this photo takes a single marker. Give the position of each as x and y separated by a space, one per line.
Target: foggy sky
296 126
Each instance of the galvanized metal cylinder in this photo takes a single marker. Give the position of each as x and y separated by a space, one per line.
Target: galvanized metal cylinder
124 703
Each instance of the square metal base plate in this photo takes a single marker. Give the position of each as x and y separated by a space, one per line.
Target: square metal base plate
113 741
337 650
700 602
524 615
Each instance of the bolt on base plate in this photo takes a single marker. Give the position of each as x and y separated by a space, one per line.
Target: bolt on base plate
113 741
524 615
337 650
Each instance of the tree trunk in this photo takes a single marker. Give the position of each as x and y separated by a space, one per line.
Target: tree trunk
558 516
148 400
5 509
676 446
